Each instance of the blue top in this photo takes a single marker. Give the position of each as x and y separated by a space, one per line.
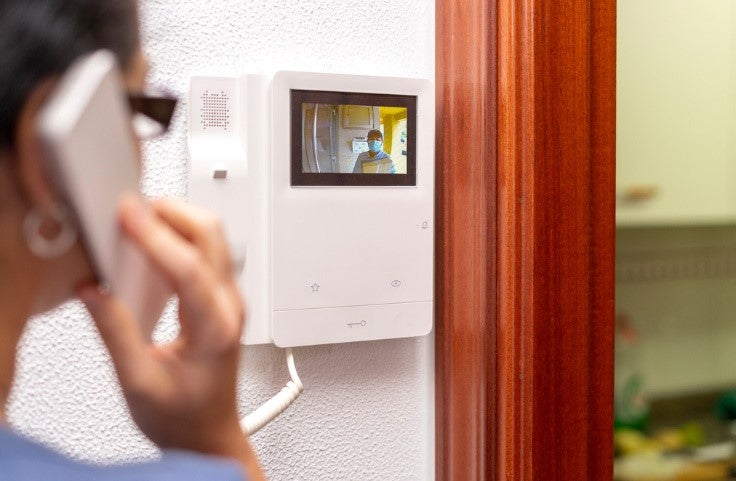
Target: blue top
366 157
21 459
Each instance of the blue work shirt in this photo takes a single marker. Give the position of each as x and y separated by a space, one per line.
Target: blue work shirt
366 157
23 460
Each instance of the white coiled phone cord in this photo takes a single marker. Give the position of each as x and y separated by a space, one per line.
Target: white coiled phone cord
277 404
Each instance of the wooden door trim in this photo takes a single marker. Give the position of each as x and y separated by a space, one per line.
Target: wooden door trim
466 232
526 219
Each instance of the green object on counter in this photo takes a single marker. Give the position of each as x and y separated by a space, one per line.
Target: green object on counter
693 434
726 406
631 406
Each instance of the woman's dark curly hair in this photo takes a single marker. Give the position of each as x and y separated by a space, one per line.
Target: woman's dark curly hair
40 39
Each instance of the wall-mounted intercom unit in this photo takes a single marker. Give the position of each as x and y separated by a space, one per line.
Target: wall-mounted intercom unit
325 184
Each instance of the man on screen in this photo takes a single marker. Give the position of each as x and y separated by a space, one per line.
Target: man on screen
374 153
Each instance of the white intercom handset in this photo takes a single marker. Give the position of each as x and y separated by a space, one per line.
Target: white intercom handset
90 154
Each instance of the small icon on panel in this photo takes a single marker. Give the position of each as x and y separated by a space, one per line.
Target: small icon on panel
396 283
361 324
425 225
315 288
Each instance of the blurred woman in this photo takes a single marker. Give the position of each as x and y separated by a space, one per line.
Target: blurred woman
182 394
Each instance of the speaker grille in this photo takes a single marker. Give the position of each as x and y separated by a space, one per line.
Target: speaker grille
215 110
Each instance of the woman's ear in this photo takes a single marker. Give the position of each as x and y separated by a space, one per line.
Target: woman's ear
34 181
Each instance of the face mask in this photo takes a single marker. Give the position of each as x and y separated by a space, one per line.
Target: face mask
375 146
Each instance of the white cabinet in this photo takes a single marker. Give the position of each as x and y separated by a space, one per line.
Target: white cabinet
360 117
676 112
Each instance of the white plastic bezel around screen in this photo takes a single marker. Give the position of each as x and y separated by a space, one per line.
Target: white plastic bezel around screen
367 250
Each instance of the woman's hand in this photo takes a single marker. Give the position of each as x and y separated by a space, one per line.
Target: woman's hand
181 394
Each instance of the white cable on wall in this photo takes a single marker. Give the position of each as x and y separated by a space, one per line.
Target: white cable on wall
277 404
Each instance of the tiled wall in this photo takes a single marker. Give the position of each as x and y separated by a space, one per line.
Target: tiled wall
677 286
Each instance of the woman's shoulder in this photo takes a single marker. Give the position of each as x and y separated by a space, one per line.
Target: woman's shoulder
21 458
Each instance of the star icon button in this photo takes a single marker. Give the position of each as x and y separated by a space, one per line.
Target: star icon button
315 288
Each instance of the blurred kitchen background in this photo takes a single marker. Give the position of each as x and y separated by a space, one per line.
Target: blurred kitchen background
676 240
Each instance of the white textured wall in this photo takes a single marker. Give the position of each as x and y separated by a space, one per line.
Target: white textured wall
367 411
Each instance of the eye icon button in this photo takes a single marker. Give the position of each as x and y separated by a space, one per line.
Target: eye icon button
396 283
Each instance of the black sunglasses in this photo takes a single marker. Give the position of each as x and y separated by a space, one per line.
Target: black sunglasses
157 110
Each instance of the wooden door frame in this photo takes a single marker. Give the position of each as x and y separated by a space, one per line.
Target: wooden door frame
525 237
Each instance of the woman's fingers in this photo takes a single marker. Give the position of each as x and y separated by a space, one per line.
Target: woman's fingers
208 301
183 264
202 228
206 232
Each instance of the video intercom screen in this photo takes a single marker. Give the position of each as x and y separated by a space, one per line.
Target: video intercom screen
341 138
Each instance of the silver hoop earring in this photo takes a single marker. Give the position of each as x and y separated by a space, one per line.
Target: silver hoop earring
49 247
